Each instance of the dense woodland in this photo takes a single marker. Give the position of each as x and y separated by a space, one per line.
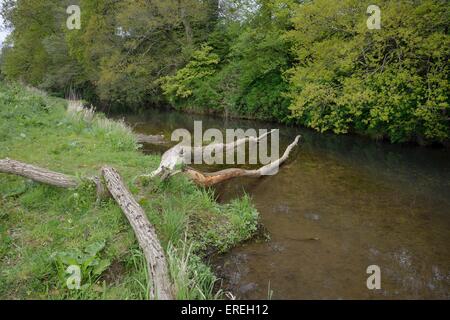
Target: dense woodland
310 63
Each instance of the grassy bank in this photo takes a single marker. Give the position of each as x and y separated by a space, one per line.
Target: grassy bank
44 229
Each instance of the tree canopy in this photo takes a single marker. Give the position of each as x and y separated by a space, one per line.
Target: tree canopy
312 63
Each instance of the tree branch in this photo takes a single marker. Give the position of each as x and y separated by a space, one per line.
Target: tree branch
145 233
212 178
37 174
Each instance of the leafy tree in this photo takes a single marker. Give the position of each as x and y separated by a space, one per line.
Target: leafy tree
314 63
201 65
248 81
389 83
122 48
32 22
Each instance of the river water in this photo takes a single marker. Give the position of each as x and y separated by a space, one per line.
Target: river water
339 205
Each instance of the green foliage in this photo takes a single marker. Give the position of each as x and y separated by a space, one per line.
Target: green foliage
28 59
185 81
391 82
192 279
246 79
89 261
237 220
122 48
314 63
44 229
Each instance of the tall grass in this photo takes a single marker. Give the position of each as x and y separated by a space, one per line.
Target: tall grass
141 277
39 221
192 279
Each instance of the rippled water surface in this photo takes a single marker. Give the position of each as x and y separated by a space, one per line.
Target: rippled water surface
337 206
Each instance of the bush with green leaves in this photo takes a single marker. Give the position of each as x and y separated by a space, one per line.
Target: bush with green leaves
238 72
311 63
183 84
89 262
44 230
388 83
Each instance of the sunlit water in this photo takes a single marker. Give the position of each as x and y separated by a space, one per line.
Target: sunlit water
337 206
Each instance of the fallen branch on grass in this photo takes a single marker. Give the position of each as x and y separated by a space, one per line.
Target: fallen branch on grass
143 229
46 176
144 232
37 174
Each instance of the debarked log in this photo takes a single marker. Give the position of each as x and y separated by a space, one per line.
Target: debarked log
207 179
151 139
37 174
181 154
143 229
145 234
49 177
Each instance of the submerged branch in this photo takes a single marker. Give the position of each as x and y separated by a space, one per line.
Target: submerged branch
181 155
211 178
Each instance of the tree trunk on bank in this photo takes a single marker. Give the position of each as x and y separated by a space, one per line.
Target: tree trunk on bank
37 174
145 233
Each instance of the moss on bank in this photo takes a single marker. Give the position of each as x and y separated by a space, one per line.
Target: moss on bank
44 229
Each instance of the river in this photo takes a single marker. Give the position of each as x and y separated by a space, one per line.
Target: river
339 205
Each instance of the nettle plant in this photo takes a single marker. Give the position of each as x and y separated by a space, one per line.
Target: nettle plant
79 270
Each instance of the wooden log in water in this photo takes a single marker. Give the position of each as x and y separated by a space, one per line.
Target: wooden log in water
207 179
152 139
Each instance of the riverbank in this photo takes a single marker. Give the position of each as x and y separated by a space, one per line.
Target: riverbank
43 230
340 204
418 141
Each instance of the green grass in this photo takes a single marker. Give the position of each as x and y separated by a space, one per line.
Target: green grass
44 229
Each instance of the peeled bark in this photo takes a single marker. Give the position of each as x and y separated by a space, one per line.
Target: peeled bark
181 154
145 234
37 174
152 139
207 179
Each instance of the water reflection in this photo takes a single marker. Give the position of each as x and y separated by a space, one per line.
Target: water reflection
340 204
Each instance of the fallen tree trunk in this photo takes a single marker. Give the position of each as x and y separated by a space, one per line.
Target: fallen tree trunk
46 176
37 174
157 139
211 178
145 234
182 154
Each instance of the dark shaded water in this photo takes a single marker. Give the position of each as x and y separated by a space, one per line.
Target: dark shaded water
340 204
